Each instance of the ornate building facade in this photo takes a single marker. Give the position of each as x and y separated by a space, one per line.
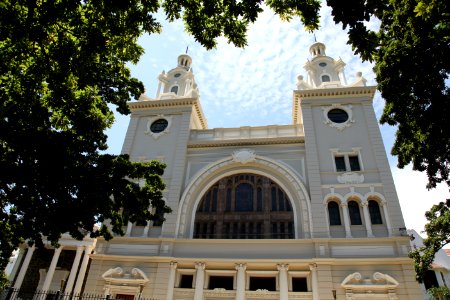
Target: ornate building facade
301 211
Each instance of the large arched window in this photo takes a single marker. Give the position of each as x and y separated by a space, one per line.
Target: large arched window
334 213
354 212
374 211
244 206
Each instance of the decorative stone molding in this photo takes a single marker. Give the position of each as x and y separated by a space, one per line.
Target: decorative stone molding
244 156
380 285
117 276
150 121
339 126
350 178
282 267
241 267
200 265
219 292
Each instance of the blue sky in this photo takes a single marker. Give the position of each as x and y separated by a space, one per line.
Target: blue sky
253 86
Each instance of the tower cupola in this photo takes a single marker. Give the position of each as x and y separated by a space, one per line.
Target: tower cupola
184 61
317 49
325 72
179 81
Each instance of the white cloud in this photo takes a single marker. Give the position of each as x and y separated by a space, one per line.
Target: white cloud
415 199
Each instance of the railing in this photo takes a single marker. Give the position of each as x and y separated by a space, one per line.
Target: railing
14 294
222 134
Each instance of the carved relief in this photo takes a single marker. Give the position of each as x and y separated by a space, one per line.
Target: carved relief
119 276
244 156
350 178
357 287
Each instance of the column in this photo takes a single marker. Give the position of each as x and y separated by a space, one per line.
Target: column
314 281
240 281
386 218
51 269
146 229
15 269
73 271
283 277
367 219
24 268
129 227
158 91
348 232
199 280
171 283
82 272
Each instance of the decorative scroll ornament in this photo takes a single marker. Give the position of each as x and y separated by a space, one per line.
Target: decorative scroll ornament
381 285
338 125
119 276
350 178
244 156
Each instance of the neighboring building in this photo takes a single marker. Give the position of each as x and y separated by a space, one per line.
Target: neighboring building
439 274
301 211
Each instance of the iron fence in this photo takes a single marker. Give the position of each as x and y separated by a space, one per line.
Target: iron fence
14 294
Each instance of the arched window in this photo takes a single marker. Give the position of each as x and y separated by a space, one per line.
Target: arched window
325 78
354 212
334 213
243 197
244 206
374 211
174 89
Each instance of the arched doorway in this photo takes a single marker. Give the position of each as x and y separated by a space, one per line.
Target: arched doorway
244 206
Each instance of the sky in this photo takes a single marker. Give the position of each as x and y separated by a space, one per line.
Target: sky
253 86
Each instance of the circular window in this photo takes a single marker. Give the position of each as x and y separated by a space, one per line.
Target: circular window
177 75
159 125
337 115
322 64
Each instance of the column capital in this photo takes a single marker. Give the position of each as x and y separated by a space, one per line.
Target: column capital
343 204
173 265
313 267
59 249
364 204
240 267
283 267
200 265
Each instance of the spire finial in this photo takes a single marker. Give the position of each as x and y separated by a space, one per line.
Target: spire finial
315 40
187 48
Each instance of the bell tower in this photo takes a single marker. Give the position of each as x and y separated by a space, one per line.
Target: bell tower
345 157
178 82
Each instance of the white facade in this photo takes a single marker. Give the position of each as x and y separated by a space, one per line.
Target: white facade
301 211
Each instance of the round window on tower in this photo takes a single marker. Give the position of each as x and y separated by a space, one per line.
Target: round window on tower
177 75
322 64
159 125
337 115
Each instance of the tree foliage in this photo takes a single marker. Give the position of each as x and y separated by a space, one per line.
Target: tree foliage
62 63
438 235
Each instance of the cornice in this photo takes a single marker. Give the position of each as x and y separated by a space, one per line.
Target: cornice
304 96
149 103
336 92
246 142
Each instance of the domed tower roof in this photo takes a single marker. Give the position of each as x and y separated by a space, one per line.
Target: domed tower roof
317 49
184 61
